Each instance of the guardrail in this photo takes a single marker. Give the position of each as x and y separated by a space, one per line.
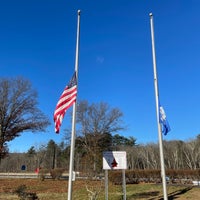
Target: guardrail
28 175
18 175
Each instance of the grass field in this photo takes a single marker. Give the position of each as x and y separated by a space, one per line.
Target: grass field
57 190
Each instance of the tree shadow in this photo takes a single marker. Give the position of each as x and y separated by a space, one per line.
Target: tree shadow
177 193
145 195
154 194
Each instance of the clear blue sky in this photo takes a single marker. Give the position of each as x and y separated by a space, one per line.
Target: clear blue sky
38 39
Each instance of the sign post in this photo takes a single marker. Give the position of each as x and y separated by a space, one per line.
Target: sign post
124 184
106 184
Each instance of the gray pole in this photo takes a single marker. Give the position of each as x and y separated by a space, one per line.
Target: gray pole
124 184
106 184
73 134
157 111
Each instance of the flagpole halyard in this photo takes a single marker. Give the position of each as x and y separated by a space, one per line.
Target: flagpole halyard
157 111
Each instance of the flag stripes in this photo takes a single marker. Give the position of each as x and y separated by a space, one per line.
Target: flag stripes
66 100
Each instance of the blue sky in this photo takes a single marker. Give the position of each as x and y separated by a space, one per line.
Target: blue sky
38 40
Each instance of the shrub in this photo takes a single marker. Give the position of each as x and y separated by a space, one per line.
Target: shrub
115 177
23 195
184 176
42 174
131 177
56 173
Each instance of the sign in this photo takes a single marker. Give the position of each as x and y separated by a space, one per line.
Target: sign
114 160
23 167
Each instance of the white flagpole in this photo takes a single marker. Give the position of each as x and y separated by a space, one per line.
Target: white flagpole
73 134
157 111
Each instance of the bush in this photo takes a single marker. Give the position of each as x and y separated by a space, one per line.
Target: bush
184 176
56 173
115 177
132 177
42 174
23 195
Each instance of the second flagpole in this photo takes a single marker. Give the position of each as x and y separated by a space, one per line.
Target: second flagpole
73 134
157 112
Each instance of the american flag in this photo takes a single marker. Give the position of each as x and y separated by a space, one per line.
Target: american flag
66 100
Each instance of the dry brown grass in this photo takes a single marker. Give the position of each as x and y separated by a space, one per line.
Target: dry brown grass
57 190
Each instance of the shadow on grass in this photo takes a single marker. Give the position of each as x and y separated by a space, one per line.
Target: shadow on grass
154 195
175 195
143 195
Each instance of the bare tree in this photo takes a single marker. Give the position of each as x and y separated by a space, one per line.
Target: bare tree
99 118
96 123
174 157
18 111
191 152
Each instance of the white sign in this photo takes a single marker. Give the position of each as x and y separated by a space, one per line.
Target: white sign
114 160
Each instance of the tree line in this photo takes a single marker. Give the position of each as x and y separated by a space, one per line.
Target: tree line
177 154
98 126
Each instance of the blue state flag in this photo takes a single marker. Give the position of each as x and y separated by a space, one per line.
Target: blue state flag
163 121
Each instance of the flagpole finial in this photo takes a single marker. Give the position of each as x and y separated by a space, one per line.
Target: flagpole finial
79 12
151 14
